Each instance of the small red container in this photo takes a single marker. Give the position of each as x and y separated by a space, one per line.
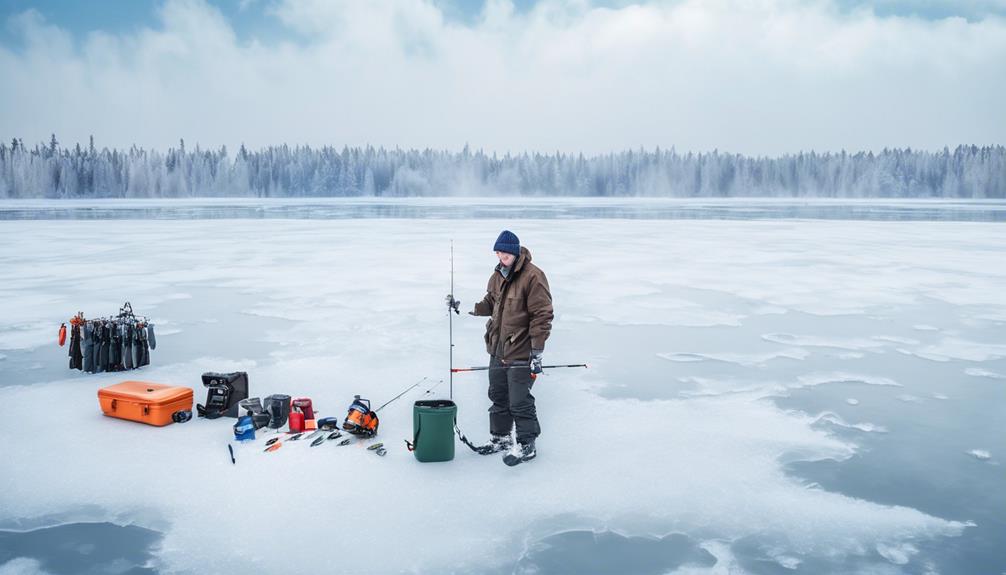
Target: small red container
296 422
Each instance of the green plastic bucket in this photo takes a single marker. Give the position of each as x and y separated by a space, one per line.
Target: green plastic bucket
433 429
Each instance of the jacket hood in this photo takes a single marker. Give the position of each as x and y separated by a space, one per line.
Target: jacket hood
525 256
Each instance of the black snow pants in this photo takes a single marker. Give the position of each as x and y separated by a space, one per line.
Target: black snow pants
510 392
76 355
88 350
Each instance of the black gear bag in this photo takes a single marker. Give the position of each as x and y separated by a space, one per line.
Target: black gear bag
223 393
278 408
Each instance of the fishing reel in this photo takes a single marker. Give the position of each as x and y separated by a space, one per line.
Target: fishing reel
361 420
452 304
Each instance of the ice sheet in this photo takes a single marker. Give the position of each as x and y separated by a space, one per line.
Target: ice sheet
982 372
819 378
953 348
835 419
744 359
22 566
356 307
980 454
818 341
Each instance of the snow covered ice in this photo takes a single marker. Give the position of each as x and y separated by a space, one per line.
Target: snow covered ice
720 374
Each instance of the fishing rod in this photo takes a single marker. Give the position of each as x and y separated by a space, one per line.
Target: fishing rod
452 305
362 420
434 386
521 366
403 393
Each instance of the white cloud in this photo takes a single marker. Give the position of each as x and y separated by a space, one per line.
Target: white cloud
755 77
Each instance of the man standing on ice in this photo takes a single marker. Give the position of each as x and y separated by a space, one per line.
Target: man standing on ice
519 304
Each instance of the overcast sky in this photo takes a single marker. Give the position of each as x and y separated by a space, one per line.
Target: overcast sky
759 77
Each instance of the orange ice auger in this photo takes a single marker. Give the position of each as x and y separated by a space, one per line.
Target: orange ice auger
361 420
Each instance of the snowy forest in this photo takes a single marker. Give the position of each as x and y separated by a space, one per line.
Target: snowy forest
49 170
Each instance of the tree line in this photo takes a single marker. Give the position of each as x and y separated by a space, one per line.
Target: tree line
50 170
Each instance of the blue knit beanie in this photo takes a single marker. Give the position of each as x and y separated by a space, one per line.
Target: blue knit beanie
507 242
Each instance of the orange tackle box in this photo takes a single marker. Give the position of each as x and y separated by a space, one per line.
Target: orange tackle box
143 401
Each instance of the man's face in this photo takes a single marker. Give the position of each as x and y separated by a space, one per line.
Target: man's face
506 259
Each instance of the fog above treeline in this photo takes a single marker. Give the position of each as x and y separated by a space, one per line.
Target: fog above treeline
51 170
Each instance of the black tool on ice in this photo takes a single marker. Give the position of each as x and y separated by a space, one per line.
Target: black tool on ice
253 409
328 423
278 408
324 438
223 393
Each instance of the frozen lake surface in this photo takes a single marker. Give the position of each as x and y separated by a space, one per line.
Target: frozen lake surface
771 391
516 207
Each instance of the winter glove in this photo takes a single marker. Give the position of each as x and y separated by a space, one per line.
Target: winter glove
536 361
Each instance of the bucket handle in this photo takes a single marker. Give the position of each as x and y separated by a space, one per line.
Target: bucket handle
415 438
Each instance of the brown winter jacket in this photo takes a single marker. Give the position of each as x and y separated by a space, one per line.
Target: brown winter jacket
520 307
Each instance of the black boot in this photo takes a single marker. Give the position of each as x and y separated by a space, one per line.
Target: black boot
497 444
520 453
